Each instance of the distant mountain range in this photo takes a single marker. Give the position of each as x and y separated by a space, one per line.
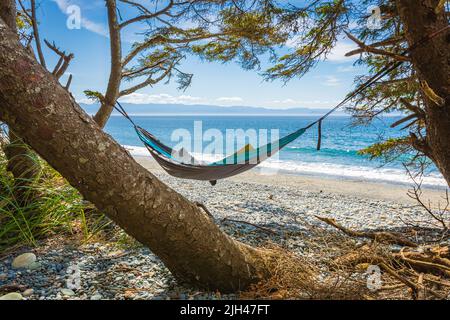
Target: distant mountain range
180 109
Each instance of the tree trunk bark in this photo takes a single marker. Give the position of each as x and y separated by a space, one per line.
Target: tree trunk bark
8 13
186 239
21 161
432 62
115 75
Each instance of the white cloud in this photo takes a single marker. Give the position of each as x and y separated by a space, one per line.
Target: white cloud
87 24
85 100
229 99
337 54
346 69
293 42
354 24
162 98
143 98
332 81
94 27
285 101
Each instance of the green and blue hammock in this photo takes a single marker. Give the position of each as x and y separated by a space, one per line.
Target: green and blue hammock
183 165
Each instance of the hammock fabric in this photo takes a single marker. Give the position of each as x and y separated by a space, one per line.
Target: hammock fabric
181 164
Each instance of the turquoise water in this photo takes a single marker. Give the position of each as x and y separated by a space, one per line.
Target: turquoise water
338 156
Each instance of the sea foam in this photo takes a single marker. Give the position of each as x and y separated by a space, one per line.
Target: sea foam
320 169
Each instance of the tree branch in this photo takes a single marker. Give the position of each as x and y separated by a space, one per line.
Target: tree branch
371 49
147 14
148 82
421 145
36 33
69 82
64 60
25 11
131 73
115 76
388 42
440 7
416 194
415 109
380 236
393 81
58 65
407 118
160 39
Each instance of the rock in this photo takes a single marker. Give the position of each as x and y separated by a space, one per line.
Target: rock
35 266
129 294
67 292
12 296
28 292
174 295
11 274
183 296
24 260
59 267
96 297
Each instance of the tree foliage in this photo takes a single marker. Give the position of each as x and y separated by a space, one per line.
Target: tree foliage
174 29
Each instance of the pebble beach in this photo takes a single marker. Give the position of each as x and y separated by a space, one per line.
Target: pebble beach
253 208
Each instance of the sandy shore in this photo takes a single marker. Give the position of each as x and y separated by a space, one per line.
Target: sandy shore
357 188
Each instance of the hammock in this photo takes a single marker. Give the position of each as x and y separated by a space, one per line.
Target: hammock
181 164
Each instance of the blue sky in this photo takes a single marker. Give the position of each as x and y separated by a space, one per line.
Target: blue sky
213 83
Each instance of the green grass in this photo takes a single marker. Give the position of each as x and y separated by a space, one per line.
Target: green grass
51 207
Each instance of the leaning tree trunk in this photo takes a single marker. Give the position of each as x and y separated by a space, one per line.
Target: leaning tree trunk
34 104
432 62
21 161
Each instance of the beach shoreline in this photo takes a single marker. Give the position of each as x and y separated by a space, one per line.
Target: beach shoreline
365 189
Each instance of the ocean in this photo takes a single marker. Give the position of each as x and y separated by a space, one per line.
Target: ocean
338 157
